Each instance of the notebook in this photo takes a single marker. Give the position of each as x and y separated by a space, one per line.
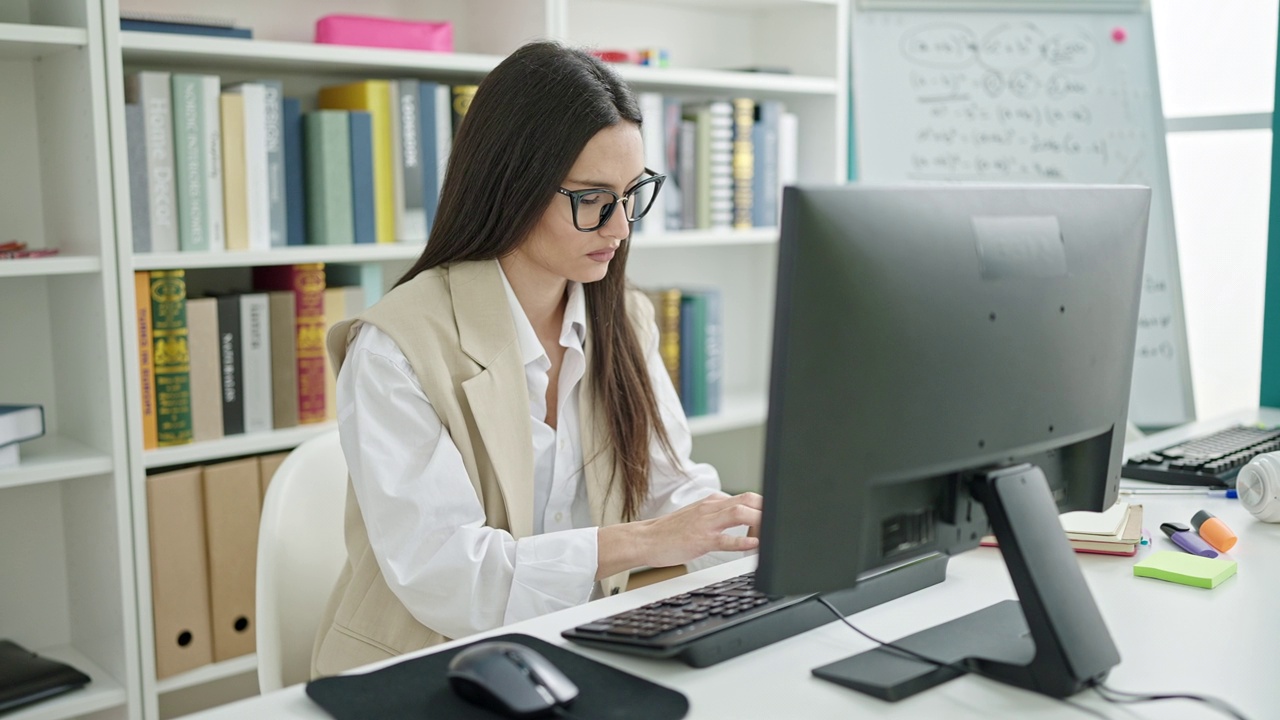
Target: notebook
1118 531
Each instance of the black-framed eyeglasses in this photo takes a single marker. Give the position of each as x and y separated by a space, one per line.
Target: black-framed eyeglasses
593 207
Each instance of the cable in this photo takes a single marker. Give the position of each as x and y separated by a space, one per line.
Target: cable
1121 697
959 666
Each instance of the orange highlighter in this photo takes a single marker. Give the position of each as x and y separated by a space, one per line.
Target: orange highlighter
1214 531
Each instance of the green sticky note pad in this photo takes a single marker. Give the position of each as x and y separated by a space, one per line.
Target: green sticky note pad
1185 568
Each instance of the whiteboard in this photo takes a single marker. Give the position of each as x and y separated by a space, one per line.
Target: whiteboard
1032 96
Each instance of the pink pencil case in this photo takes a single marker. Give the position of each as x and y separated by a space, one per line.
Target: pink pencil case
370 31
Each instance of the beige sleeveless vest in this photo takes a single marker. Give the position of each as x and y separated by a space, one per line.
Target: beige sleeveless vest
454 326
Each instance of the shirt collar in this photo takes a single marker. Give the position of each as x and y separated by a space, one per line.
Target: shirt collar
572 331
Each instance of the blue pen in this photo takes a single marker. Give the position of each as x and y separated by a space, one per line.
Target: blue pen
1208 492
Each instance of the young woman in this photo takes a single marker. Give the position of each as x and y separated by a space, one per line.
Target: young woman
514 441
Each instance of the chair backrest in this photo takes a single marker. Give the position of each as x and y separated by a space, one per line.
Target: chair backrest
300 554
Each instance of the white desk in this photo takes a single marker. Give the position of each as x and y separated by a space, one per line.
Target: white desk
1172 638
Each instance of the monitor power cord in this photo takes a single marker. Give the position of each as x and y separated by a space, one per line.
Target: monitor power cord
1111 695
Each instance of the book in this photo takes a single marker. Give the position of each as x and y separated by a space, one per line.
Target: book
1118 531
231 364
374 97
235 199
462 96
206 369
284 359
651 108
139 207
171 357
743 163
273 129
306 282
257 182
765 184
19 423
183 29
368 276
255 361
294 173
151 90
328 177
666 305
363 210
192 157
335 311
411 213
671 149
146 359
719 155
431 98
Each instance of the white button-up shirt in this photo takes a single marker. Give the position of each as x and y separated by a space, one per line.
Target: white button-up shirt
426 526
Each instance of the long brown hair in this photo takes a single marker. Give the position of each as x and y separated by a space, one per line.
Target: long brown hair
529 120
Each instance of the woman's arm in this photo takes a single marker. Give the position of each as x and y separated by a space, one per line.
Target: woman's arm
425 524
686 515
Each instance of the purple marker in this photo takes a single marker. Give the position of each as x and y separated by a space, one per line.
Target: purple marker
1183 537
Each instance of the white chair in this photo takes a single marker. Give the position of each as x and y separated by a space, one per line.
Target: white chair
300 554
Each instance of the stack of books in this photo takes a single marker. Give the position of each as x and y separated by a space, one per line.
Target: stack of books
18 423
1118 531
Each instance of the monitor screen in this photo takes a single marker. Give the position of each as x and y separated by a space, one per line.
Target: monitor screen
925 336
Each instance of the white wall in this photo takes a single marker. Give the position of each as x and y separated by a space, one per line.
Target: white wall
1218 59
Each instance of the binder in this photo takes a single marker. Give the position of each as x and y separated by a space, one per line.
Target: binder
179 573
267 466
232 504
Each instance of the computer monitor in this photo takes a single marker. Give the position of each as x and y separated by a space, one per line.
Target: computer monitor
949 361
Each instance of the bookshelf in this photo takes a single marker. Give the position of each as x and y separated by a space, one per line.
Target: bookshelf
65 516
706 39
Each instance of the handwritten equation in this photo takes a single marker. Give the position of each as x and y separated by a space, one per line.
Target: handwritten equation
1016 103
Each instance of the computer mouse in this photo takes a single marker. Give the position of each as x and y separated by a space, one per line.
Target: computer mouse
510 679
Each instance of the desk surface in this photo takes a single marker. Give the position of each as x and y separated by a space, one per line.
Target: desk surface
1172 638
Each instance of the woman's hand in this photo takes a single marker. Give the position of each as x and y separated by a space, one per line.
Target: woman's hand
681 536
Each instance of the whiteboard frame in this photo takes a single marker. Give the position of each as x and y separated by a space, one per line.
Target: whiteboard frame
1096 6
1140 11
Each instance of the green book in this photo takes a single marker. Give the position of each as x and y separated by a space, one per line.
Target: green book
327 143
190 161
172 357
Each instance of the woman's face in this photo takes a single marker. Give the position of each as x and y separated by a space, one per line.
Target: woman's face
613 160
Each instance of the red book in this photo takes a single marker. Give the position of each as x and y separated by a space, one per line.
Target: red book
306 281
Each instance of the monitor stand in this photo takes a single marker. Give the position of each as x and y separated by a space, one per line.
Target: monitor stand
1052 642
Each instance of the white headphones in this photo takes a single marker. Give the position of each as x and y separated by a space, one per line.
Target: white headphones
1258 485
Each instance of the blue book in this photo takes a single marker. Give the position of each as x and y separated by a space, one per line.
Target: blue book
19 423
764 184
181 29
295 194
427 111
362 202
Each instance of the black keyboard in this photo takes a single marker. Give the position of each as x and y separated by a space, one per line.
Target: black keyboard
665 627
1213 459
729 618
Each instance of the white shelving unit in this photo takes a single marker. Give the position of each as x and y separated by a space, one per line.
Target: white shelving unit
706 39
65 526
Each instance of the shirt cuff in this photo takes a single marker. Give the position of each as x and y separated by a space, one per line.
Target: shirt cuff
553 571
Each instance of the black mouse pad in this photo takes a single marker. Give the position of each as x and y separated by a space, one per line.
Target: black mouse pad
417 689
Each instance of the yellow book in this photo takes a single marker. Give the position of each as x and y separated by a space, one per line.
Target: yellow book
146 362
335 311
374 97
235 198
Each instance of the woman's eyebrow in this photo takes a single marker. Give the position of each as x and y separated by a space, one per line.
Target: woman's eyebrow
603 183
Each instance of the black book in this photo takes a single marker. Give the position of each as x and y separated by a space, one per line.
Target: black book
231 363
25 677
